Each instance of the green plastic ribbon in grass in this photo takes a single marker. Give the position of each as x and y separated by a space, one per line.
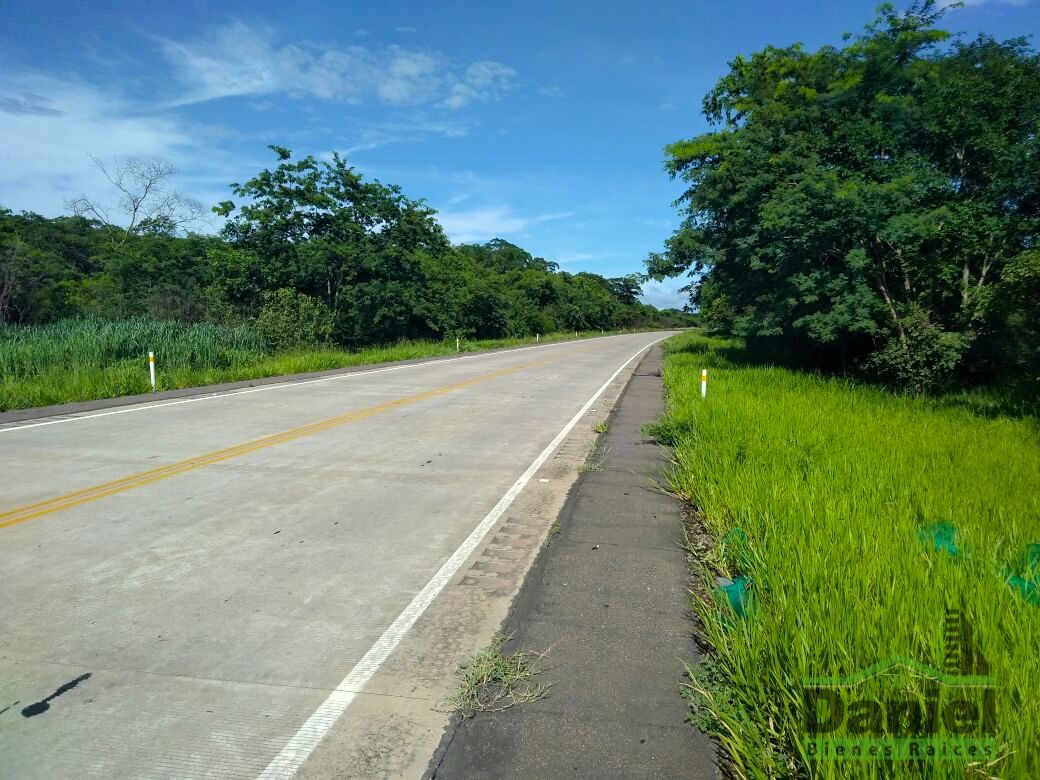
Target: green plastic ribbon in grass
1027 582
1024 579
942 535
737 593
737 554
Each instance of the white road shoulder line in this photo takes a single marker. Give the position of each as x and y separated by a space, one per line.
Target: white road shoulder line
282 385
302 744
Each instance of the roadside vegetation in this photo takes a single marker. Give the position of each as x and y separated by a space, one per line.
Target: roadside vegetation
596 458
91 358
494 681
874 207
855 517
861 226
314 268
310 255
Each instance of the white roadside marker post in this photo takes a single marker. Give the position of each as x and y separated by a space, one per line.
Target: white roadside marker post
457 344
151 369
537 337
704 383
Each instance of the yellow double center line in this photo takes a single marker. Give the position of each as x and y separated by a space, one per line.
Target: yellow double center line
49 506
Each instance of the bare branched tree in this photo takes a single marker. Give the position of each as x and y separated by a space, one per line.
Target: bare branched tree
142 198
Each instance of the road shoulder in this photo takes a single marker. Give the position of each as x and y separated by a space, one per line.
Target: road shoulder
396 722
609 596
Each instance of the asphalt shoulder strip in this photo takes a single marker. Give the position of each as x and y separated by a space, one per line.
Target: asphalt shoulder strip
608 595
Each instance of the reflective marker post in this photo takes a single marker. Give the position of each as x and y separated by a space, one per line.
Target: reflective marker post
704 383
151 368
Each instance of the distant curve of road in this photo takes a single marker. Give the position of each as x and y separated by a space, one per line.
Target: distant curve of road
185 582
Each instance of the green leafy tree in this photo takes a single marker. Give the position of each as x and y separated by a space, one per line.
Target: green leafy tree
290 320
1017 301
323 230
626 288
307 243
860 204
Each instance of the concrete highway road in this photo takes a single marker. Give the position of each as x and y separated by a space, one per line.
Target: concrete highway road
193 588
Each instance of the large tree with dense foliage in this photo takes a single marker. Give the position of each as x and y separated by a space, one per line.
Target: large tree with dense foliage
325 231
311 253
865 204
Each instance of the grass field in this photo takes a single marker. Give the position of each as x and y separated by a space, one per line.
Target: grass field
831 484
84 360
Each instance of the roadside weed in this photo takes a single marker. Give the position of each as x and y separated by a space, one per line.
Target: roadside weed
595 460
494 681
833 486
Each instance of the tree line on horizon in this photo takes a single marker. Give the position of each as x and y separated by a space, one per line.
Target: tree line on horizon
310 253
873 207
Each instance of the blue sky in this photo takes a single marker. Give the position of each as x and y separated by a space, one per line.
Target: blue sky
539 122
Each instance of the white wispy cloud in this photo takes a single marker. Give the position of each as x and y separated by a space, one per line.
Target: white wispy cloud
406 30
656 222
577 257
240 60
413 130
482 81
50 125
666 294
485 223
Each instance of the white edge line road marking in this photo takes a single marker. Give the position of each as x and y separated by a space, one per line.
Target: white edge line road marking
302 744
281 385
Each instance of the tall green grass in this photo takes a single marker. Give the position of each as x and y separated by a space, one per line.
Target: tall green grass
78 360
830 482
88 359
76 344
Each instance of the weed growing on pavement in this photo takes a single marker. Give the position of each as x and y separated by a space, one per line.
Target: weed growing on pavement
494 681
595 461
